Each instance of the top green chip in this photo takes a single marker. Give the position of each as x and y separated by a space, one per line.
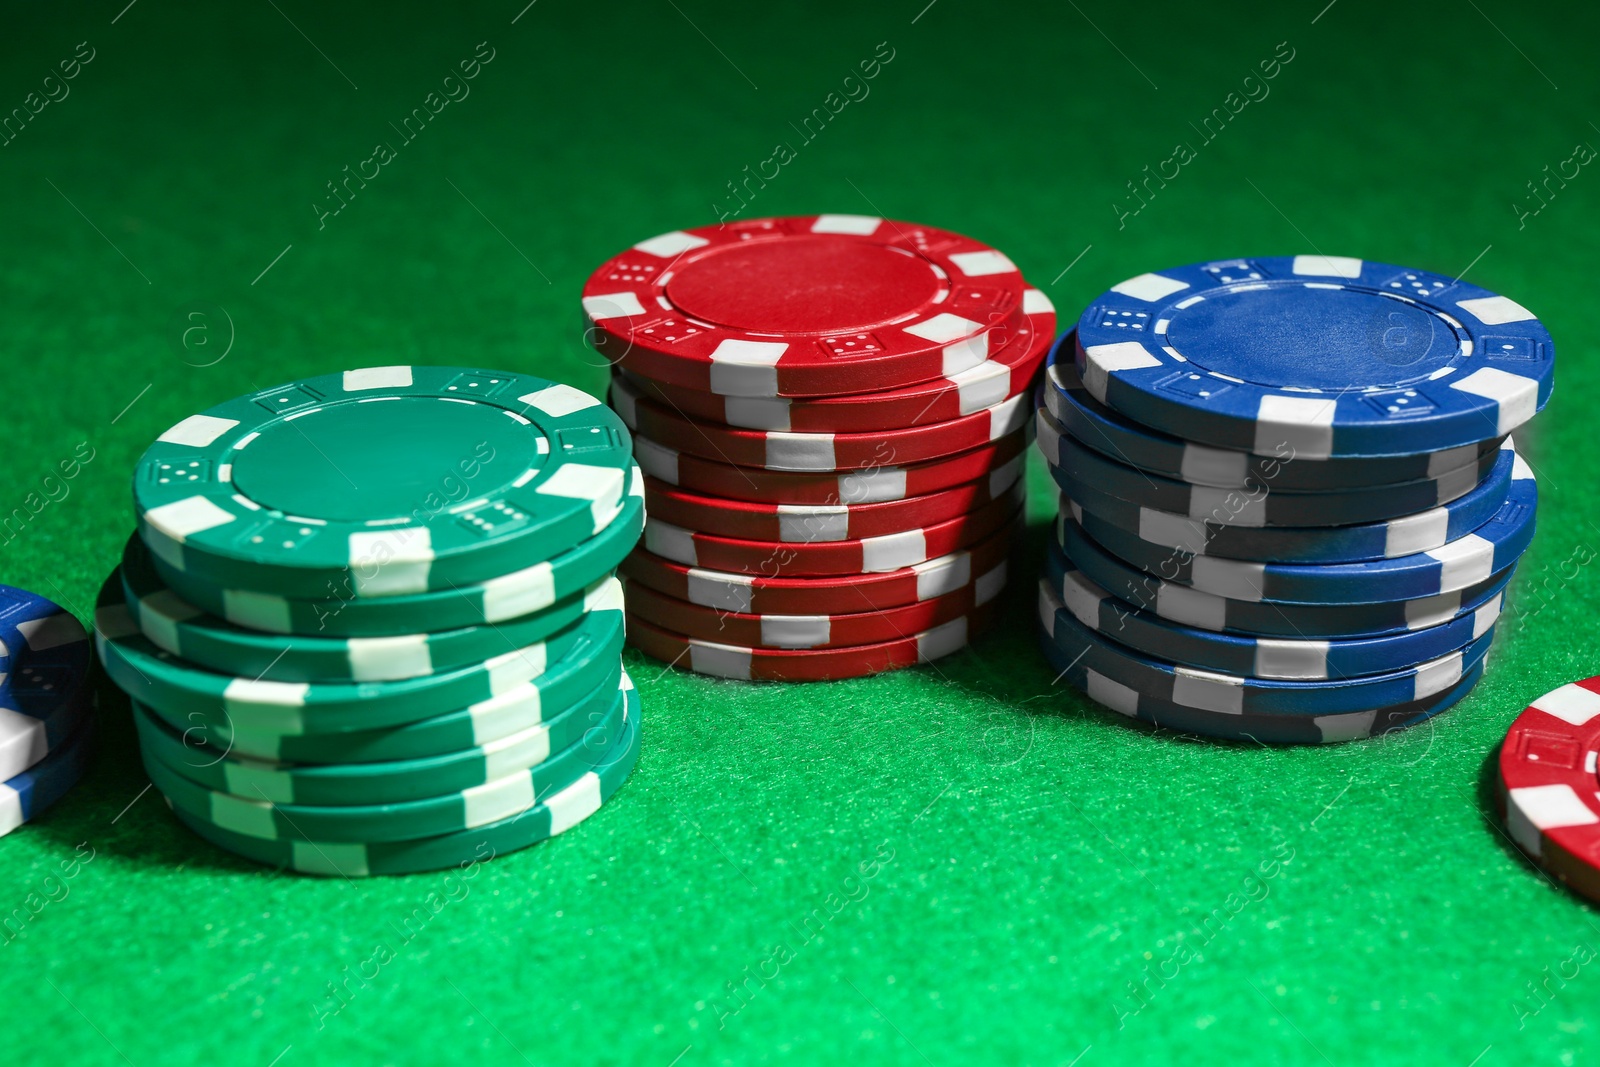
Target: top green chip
396 480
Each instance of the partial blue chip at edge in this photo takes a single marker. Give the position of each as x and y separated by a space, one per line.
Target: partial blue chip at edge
23 796
1315 357
44 693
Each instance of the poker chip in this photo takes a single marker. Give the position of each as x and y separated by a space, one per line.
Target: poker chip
749 594
537 750
1086 474
1492 547
819 305
1325 356
332 804
156 677
1404 536
811 664
890 482
1549 795
26 794
1290 659
384 481
1224 693
1096 426
785 450
44 691
545 817
186 632
814 631
873 555
552 587
579 685
46 724
810 523
1006 373
1185 604
1256 729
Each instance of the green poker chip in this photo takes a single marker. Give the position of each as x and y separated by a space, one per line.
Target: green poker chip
578 686
189 633
553 814
535 588
202 759
385 782
453 812
381 800
388 480
156 677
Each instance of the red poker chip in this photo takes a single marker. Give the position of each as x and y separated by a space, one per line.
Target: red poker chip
752 595
809 523
1550 785
781 450
815 305
810 664
812 631
844 487
1009 371
872 555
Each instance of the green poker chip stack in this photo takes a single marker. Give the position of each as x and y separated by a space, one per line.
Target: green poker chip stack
369 622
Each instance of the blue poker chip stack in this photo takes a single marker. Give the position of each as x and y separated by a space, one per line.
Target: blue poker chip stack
1290 501
46 725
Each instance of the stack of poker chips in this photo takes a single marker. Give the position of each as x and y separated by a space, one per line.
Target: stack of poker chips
832 413
46 720
1290 502
369 621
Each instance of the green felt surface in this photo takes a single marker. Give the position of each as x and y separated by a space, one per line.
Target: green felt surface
1028 855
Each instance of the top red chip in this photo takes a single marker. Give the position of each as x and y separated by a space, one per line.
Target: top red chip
1016 352
1550 787
814 305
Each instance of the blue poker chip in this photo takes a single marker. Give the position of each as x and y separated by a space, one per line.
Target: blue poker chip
1314 357
1083 471
1108 433
1289 659
1234 694
1110 518
23 796
1490 548
44 693
1261 729
1265 618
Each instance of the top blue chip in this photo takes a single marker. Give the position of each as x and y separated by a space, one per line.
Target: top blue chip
1315 357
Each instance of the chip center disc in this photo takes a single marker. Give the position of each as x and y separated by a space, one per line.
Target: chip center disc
1302 336
410 456
804 285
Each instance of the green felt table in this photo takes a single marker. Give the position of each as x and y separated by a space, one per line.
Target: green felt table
956 864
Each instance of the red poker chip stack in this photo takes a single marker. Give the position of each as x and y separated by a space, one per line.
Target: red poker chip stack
831 412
